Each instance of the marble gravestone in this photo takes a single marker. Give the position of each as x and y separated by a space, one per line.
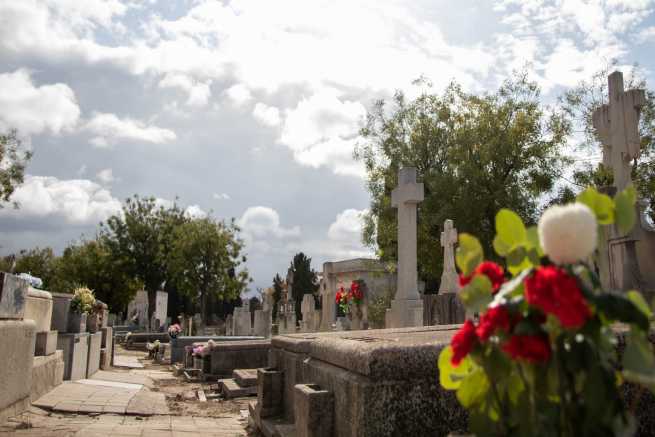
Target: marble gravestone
446 308
264 317
241 319
406 308
449 277
625 261
308 308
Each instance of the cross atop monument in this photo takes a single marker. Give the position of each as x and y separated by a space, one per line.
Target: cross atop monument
449 237
617 128
406 197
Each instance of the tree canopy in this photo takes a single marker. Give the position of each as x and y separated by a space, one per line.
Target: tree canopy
14 159
305 280
205 258
475 155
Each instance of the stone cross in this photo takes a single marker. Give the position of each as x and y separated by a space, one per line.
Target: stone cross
617 128
406 197
449 280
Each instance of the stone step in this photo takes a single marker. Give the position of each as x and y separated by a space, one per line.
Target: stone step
231 389
272 426
245 377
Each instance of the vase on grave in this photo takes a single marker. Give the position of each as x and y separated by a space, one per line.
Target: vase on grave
76 323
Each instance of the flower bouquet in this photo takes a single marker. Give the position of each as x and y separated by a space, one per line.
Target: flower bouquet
551 351
81 305
341 300
174 330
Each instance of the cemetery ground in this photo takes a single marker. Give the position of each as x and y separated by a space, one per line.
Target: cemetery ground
135 398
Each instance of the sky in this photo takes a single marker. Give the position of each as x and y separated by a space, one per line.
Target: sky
251 109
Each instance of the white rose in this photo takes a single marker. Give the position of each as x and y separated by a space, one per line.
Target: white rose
568 233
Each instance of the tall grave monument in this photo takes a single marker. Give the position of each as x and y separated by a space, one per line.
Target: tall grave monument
625 261
407 307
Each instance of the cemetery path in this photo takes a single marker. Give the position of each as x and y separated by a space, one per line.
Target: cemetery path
136 400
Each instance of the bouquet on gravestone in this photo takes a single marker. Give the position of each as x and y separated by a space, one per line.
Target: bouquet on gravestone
354 295
83 301
551 352
174 330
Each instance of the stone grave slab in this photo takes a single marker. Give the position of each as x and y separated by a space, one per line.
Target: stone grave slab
178 344
76 353
13 296
47 373
60 310
226 357
93 360
382 382
46 343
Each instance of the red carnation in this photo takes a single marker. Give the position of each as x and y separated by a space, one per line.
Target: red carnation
495 318
555 292
463 342
530 348
491 270
340 295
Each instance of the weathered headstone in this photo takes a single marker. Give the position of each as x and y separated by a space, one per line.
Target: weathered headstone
242 319
406 308
307 308
449 279
262 325
625 261
229 329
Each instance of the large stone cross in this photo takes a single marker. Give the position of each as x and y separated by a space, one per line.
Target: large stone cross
617 128
406 197
449 283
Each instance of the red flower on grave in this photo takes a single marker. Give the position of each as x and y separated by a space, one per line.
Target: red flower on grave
491 270
341 295
555 292
531 348
356 292
463 342
495 318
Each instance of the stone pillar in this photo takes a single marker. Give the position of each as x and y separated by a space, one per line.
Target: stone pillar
263 322
328 294
307 308
406 309
270 385
17 340
242 319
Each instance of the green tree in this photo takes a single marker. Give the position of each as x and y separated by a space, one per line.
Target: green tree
141 239
475 155
14 159
205 258
305 280
91 263
277 294
37 262
581 101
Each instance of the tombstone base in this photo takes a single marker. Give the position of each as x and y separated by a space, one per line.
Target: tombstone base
47 373
46 343
17 339
76 354
93 360
405 313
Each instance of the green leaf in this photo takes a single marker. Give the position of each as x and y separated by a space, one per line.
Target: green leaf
500 246
451 377
473 389
638 359
620 309
510 228
477 293
638 300
599 203
626 214
533 240
469 253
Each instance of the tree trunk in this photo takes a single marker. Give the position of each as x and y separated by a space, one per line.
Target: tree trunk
152 303
203 306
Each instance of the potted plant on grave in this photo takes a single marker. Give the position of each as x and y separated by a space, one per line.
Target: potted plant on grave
80 306
355 298
551 352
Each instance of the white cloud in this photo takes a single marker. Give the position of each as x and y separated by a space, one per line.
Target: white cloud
322 130
347 226
109 129
646 35
221 196
239 94
34 109
105 176
264 222
76 201
344 237
267 115
195 212
198 92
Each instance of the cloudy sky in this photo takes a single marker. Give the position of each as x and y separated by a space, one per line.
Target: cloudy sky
250 109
